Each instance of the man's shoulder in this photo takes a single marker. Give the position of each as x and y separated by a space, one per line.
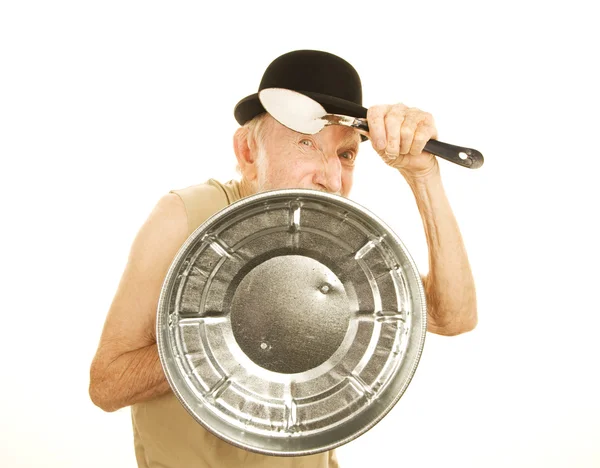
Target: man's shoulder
209 188
201 201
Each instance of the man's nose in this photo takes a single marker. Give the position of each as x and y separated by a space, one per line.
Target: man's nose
330 175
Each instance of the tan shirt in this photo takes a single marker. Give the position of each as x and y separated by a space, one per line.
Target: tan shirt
165 434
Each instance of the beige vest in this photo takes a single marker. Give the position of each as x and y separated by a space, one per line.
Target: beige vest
165 435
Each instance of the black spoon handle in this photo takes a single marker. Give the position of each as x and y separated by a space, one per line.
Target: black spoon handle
465 157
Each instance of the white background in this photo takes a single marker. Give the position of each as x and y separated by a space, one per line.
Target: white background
105 106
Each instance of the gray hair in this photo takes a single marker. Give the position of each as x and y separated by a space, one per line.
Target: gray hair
256 130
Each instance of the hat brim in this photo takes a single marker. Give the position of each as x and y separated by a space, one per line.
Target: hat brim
250 107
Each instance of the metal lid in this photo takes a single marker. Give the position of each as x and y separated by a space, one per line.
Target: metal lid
291 322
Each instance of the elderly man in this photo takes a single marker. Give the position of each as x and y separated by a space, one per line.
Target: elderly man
126 370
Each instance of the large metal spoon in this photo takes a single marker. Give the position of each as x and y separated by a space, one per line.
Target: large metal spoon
305 115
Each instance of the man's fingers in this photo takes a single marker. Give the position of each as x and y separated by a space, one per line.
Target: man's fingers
399 130
422 135
375 118
407 132
393 121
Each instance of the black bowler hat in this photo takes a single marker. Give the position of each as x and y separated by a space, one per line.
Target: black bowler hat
325 77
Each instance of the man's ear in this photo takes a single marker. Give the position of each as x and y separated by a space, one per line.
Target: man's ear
246 157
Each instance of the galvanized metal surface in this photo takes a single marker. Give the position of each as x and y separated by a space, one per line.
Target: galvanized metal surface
291 322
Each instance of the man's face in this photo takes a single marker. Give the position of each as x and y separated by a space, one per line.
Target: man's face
324 161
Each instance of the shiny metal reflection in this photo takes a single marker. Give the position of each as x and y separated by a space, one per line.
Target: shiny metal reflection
291 322
305 115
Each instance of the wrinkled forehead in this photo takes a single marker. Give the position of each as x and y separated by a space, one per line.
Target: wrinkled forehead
339 133
351 135
342 136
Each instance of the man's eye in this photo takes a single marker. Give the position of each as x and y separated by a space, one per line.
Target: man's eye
348 155
306 142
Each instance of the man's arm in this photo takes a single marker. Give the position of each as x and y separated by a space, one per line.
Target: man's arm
449 286
126 368
399 135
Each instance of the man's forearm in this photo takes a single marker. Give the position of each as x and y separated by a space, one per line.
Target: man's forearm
449 286
130 378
